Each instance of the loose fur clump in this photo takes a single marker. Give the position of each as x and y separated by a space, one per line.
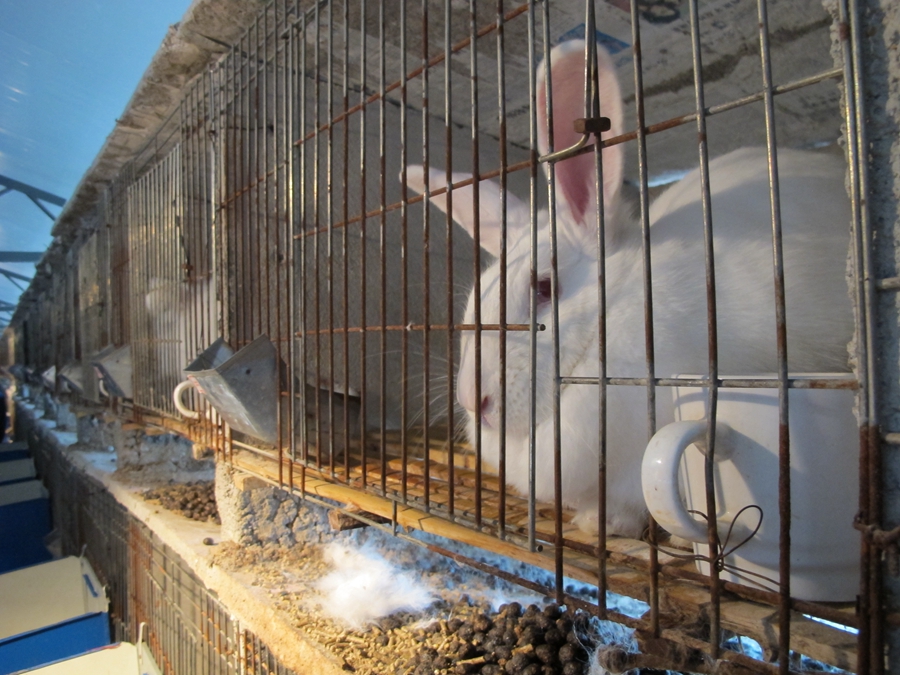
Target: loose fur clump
364 587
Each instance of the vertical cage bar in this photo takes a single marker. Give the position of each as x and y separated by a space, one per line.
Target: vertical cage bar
448 221
712 406
501 319
532 300
554 310
426 265
329 174
317 371
382 150
784 457
304 255
404 254
255 87
593 108
363 252
648 290
289 133
476 249
345 243
870 643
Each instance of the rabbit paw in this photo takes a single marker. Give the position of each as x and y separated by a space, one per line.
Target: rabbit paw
623 525
587 521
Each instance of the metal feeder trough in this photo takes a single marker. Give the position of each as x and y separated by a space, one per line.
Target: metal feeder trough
73 375
114 368
211 357
49 377
241 386
92 376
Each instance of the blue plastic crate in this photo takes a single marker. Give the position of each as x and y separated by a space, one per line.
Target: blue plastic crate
24 522
50 612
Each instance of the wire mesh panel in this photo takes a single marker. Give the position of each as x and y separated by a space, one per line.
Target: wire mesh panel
93 276
201 308
119 254
516 398
599 313
200 165
254 193
59 314
513 281
156 283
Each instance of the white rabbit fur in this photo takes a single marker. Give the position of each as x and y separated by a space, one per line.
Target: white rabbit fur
815 217
182 316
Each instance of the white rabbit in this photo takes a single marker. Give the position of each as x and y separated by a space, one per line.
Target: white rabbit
815 216
182 320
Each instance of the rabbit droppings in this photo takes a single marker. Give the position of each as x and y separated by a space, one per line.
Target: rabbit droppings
815 215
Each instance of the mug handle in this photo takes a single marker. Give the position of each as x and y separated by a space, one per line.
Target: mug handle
179 401
659 475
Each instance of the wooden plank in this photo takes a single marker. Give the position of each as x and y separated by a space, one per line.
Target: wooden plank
244 482
342 521
463 459
462 476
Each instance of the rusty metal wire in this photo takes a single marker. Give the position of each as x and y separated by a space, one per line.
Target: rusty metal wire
269 204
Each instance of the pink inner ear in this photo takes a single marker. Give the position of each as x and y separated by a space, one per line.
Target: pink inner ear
574 176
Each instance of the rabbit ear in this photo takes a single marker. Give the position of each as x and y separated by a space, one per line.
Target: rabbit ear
490 205
576 176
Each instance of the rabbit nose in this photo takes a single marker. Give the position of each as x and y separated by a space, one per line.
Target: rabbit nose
466 397
485 406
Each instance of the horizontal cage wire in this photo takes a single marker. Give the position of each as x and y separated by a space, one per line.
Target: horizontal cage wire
456 266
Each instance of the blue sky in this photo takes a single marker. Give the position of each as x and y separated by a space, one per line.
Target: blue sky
67 70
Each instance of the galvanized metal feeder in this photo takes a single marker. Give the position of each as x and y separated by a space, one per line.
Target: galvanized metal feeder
242 386
49 377
114 369
72 374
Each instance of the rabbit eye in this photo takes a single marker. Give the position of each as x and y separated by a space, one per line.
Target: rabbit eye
544 291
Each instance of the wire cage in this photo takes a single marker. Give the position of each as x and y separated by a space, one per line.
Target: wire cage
93 288
661 237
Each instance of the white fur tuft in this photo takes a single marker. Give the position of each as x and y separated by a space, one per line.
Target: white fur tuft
364 587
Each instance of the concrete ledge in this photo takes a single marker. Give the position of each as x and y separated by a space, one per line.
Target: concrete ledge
250 604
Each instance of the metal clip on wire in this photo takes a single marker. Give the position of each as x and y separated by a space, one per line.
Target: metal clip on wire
591 123
583 125
718 559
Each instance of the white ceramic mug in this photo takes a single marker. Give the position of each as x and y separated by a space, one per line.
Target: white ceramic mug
824 445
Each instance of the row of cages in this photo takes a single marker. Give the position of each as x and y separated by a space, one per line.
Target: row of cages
564 297
153 592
